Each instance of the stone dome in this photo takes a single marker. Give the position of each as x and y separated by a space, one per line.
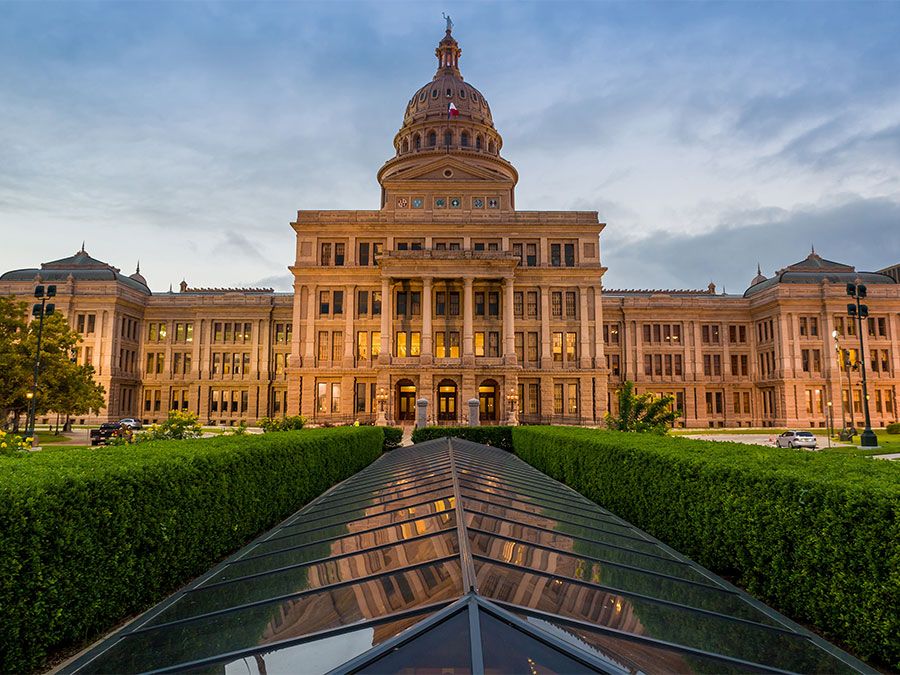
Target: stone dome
427 122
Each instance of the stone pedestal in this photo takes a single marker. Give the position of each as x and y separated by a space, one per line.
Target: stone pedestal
473 412
421 413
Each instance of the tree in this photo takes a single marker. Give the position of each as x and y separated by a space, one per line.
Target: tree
15 375
645 412
63 385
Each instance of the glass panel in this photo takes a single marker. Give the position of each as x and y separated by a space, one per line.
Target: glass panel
557 500
594 534
589 520
507 649
343 516
343 529
643 617
315 656
592 571
271 622
352 544
633 655
306 577
562 542
380 496
444 649
369 506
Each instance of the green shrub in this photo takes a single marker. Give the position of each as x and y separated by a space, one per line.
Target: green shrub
498 437
178 426
88 537
893 428
289 423
817 536
393 436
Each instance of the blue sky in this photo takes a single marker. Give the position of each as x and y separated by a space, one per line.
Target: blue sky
709 136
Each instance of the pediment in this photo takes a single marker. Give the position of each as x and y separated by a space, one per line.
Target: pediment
436 170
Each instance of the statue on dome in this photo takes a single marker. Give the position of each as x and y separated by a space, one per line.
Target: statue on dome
449 21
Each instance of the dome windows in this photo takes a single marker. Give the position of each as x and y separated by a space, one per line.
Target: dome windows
432 139
422 97
478 142
464 139
462 93
449 92
417 142
405 145
491 147
448 138
474 97
434 93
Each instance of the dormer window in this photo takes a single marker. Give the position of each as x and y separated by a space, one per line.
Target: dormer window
421 97
462 93
434 93
449 92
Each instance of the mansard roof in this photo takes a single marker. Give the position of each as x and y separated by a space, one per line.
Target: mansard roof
79 267
814 270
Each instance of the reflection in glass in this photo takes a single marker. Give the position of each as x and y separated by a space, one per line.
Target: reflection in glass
509 650
342 515
315 656
595 572
562 542
306 577
207 636
444 649
335 547
643 617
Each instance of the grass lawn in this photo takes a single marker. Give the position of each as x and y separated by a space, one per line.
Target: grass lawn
50 437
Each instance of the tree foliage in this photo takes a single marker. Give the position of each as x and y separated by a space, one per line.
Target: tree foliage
644 413
63 385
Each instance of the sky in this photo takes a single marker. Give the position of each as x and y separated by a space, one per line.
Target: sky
709 136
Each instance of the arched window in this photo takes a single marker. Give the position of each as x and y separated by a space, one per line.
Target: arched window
448 137
405 146
432 139
478 142
434 93
417 141
491 147
464 139
462 93
449 92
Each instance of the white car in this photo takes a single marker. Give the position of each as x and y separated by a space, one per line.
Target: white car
796 439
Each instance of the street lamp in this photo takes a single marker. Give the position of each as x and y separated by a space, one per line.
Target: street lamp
830 421
381 397
512 408
867 439
40 311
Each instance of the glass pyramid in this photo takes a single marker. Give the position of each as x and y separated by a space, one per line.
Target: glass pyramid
453 557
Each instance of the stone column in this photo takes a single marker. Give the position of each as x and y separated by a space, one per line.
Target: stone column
310 351
349 336
509 323
585 331
546 356
427 351
599 346
386 308
468 322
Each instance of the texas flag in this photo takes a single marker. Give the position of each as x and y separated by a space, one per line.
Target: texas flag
452 111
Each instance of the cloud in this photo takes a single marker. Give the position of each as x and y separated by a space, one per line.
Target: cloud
859 232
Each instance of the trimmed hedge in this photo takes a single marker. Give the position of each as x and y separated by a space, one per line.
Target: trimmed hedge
816 536
893 428
498 437
88 537
393 437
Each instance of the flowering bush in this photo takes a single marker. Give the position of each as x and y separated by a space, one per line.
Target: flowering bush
10 444
180 425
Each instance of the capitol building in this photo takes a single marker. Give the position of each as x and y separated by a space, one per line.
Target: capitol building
447 292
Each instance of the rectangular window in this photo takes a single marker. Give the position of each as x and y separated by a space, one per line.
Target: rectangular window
325 254
479 303
337 345
91 323
613 364
518 303
400 341
558 398
570 255
440 345
216 363
611 333
454 303
573 398
362 303
363 255
648 364
377 247
362 345
518 252
493 303
557 347
520 346
376 343
556 304
571 346
339 254
401 303
324 303
555 255
323 345
677 367
376 303
415 343
337 302
479 344
533 353
493 344
454 344
570 304
440 303
415 303
531 255
532 306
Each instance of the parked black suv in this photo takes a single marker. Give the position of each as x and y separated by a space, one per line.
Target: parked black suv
107 430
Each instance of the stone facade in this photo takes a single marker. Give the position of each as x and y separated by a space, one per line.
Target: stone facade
449 293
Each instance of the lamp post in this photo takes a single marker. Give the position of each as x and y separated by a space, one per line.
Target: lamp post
512 408
381 397
867 439
40 311
830 421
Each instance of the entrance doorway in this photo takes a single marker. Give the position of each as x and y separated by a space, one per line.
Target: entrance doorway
447 396
487 401
406 400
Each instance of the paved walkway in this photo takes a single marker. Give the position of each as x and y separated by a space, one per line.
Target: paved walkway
758 439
